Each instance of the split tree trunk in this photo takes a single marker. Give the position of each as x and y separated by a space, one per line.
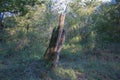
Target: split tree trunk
58 36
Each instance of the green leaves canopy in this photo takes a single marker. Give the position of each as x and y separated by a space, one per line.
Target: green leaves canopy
15 6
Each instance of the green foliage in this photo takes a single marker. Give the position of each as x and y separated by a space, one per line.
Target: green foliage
107 23
15 6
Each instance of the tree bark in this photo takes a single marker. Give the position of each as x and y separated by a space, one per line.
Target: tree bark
58 36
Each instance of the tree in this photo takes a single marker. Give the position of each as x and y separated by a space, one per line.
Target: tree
52 53
58 36
107 22
16 7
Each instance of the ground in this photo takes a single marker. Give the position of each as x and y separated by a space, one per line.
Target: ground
97 64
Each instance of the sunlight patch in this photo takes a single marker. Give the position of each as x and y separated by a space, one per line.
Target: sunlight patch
66 73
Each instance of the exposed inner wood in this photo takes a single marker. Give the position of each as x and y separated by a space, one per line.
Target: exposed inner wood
58 36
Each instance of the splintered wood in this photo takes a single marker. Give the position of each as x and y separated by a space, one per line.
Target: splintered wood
57 39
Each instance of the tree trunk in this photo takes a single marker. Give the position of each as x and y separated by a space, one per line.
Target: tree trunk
1 25
58 36
1 31
1 19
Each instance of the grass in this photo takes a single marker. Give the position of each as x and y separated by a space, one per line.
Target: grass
22 59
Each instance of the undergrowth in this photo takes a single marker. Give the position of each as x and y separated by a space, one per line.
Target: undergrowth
21 58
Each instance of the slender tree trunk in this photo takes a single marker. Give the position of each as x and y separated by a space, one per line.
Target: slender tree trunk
1 26
1 23
58 36
1 31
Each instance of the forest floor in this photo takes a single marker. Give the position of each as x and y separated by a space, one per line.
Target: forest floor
98 64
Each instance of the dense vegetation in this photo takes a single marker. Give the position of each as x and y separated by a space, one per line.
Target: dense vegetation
90 52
